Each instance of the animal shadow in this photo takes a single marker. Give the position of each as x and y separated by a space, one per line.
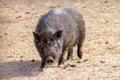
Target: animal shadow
19 69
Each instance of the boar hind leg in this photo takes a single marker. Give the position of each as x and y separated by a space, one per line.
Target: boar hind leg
79 50
70 53
79 45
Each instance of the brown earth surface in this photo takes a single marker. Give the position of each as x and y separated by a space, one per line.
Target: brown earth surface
101 59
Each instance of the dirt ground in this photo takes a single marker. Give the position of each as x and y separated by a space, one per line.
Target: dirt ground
101 59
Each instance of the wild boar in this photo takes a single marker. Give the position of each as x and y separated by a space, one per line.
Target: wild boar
58 31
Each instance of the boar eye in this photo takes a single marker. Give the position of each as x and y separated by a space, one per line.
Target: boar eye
52 39
42 48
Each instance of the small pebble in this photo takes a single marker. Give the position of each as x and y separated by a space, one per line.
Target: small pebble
106 2
19 16
108 47
95 65
6 34
106 42
65 66
102 61
27 13
21 56
114 66
72 65
79 62
33 60
85 60
69 65
83 6
1 36
5 4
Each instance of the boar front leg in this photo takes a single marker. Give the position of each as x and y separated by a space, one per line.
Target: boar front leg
42 65
61 59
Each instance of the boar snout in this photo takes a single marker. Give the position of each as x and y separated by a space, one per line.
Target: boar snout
49 60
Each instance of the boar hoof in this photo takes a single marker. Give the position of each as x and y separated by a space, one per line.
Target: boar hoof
80 55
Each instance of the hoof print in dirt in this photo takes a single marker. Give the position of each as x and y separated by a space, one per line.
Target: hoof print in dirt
59 31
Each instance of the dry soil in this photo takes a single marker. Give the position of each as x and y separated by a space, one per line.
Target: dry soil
101 49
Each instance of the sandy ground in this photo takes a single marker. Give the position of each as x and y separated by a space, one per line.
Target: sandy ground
101 59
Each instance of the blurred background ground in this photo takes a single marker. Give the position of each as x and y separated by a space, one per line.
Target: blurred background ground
101 59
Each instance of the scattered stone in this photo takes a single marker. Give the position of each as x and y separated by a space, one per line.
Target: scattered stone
19 16
27 12
33 60
95 65
1 36
106 42
79 62
114 66
6 34
65 66
72 65
10 56
83 6
108 47
21 56
85 60
33 8
102 61
26 26
88 78
106 21
69 65
5 4
105 1
16 11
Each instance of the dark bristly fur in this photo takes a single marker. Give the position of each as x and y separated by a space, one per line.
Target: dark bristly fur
57 31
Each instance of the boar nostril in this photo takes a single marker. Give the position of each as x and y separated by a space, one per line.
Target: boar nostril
50 59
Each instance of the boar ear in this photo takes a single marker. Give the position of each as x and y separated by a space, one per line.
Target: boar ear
58 34
36 35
